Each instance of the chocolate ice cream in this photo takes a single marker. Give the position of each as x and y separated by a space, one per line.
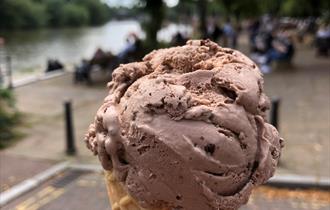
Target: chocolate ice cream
185 128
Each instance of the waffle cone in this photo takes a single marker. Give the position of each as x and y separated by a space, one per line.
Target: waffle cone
119 198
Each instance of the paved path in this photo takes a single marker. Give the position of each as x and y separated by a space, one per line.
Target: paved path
42 104
75 189
304 115
15 169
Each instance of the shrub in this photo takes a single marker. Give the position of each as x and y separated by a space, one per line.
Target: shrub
9 117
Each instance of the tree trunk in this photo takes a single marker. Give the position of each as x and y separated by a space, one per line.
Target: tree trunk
202 7
155 10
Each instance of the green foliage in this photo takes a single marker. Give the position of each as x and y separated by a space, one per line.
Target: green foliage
293 8
9 117
6 95
270 6
55 10
74 15
99 13
241 8
297 8
21 14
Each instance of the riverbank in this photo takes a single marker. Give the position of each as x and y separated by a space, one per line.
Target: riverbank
31 49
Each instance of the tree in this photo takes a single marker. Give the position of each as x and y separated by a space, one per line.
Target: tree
55 12
202 12
297 7
98 12
270 6
241 8
155 15
304 8
75 15
21 14
16 14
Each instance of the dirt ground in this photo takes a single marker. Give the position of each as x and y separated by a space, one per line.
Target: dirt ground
304 115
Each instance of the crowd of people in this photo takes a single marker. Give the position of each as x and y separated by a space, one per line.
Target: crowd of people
107 60
270 40
225 34
274 39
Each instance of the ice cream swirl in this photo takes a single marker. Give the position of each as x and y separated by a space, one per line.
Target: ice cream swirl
185 128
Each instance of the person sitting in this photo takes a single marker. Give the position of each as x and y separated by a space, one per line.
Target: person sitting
82 72
323 40
263 42
282 49
53 65
178 40
253 29
277 47
100 58
230 35
130 51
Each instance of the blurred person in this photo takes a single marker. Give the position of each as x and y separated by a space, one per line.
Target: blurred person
267 23
261 34
311 25
253 30
217 33
2 43
82 72
101 58
53 65
209 29
214 31
98 55
262 42
323 40
237 31
301 30
133 45
282 49
229 34
178 39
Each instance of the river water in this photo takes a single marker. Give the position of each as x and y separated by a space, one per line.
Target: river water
31 49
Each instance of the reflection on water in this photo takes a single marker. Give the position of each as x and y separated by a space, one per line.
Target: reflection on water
30 49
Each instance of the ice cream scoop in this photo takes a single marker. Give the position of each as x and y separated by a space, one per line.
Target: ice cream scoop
185 128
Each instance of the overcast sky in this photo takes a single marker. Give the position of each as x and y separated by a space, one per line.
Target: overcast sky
130 3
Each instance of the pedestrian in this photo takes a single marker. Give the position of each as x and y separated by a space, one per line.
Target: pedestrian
323 40
229 34
216 33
